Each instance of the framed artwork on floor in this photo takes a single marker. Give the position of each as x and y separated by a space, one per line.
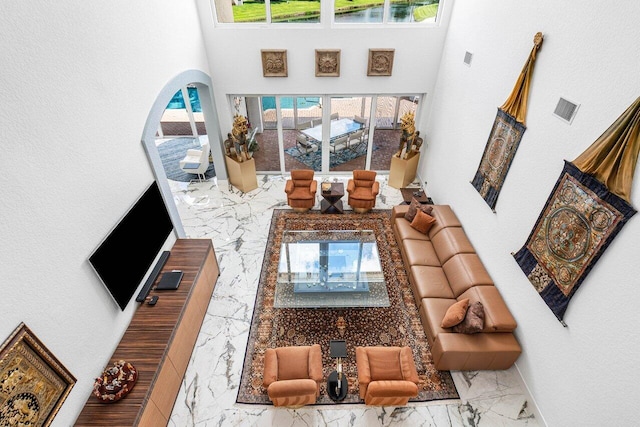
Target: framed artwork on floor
33 383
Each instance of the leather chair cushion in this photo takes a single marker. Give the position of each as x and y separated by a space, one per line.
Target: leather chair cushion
293 362
384 364
464 271
301 193
362 193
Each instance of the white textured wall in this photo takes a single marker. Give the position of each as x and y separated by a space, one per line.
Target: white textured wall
77 81
236 66
585 374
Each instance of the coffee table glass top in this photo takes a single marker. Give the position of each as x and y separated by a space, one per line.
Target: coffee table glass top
330 269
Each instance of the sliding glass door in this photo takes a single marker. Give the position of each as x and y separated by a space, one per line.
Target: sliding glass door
325 133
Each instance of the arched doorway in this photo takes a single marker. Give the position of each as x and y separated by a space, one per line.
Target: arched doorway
202 82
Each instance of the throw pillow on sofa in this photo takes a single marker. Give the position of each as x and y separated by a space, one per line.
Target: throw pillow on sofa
422 222
455 314
414 207
474 320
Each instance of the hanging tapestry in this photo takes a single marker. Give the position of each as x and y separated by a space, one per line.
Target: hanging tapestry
587 208
505 135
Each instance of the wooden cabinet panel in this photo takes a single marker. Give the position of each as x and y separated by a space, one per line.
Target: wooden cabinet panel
159 341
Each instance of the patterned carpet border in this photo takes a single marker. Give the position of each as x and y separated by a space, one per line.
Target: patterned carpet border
397 325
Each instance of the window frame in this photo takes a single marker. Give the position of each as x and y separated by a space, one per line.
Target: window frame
327 8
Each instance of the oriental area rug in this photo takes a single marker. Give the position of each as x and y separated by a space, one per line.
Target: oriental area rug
397 325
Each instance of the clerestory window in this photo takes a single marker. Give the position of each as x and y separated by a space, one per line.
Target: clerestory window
310 11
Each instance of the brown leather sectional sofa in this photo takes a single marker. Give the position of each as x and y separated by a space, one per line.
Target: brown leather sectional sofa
444 268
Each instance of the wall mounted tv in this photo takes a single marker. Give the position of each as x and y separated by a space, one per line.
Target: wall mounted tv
126 254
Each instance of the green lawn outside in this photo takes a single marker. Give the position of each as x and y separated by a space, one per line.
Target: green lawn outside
254 11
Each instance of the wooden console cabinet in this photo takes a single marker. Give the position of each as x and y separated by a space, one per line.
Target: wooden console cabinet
159 342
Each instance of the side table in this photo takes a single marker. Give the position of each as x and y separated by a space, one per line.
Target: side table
332 202
337 384
419 194
336 393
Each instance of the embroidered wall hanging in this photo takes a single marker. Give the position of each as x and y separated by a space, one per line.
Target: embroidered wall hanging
587 208
506 134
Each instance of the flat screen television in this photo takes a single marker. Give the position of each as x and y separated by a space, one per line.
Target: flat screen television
126 254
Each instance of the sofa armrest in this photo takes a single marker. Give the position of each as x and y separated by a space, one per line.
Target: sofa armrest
288 186
315 363
364 371
314 187
270 367
408 365
375 188
351 185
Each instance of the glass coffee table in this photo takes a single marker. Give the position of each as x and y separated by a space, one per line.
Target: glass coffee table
330 269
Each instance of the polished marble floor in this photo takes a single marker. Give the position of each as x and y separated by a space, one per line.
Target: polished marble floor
238 224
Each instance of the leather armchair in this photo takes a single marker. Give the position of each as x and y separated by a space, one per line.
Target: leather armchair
292 375
363 190
301 190
387 376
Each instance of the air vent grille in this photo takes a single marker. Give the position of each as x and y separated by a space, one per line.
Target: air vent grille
468 56
566 110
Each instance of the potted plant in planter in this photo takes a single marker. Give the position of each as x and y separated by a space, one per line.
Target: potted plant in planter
252 144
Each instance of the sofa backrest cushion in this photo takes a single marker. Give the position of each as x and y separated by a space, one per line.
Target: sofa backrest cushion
445 217
497 317
384 363
464 271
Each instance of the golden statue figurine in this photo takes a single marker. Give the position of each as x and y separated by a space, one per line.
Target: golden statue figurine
408 127
239 137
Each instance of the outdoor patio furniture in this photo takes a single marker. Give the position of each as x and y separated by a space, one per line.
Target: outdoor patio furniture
304 145
339 144
196 161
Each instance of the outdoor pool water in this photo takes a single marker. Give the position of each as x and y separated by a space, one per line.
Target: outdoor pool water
177 102
269 102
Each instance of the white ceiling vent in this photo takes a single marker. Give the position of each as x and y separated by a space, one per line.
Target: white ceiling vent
566 110
468 56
